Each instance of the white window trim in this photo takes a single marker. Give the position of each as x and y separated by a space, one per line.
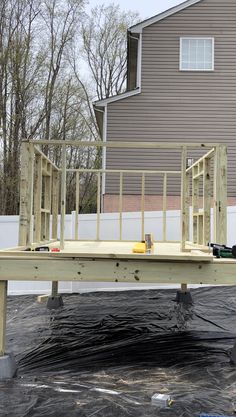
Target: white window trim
213 54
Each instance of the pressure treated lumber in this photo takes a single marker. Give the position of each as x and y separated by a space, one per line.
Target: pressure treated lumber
54 288
37 198
3 316
55 202
136 144
77 201
121 205
184 221
121 270
63 197
220 195
98 205
164 207
26 193
207 201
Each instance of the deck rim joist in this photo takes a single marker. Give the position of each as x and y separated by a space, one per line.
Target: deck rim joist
58 267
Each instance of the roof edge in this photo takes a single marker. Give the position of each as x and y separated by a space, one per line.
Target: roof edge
104 102
140 26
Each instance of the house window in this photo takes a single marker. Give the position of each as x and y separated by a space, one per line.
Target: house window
196 54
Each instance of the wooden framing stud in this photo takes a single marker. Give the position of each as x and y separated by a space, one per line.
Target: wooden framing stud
63 198
164 207
207 202
220 195
77 199
143 208
26 193
37 198
183 199
55 202
121 205
98 205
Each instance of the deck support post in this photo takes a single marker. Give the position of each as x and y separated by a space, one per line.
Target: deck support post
183 296
55 300
7 361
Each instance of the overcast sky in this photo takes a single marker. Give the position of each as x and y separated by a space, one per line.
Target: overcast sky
146 8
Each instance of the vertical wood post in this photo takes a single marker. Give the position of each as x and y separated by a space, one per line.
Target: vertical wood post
195 205
220 195
77 198
54 288
143 207
187 205
48 201
183 199
38 198
98 204
3 316
63 198
207 201
26 193
55 202
121 204
184 287
164 207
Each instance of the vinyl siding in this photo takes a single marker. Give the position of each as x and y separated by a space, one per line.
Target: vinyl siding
179 106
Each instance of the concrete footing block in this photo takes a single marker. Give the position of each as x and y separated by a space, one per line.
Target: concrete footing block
184 297
8 366
233 355
55 302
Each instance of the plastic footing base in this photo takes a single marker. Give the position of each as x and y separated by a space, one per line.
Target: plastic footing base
233 355
7 366
184 297
54 303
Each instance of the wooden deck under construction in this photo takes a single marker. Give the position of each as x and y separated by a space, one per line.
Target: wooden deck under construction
43 199
115 262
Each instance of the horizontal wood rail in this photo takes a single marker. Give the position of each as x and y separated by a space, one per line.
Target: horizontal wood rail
124 171
112 144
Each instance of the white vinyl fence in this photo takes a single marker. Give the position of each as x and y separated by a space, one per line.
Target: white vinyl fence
109 231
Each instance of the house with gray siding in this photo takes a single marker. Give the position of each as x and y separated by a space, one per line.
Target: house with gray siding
181 87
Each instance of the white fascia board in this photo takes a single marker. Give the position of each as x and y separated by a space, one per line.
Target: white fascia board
140 26
102 103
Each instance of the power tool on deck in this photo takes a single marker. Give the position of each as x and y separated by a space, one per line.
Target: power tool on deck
223 251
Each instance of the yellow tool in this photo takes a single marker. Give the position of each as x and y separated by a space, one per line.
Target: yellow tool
139 248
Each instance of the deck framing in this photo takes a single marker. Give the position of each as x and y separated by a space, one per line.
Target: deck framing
84 269
43 184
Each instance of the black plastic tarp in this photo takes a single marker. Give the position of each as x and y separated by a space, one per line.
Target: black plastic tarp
106 354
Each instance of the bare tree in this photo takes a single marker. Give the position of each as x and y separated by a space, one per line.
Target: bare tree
44 92
105 48
16 20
